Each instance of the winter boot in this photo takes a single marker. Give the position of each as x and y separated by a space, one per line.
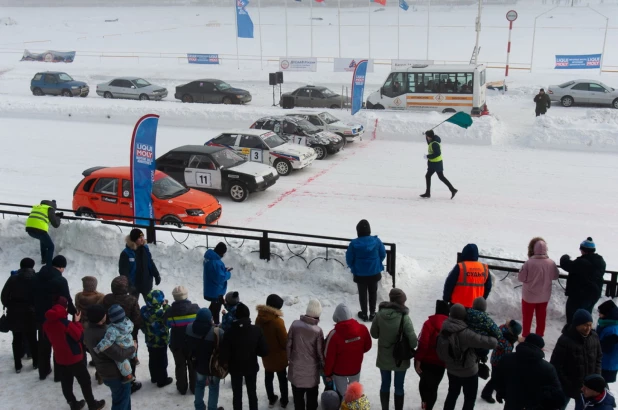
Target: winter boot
453 193
372 316
97 405
385 399
166 382
77 405
399 402
426 195
488 399
363 316
272 402
135 386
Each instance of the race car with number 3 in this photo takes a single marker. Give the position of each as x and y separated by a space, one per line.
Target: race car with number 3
266 147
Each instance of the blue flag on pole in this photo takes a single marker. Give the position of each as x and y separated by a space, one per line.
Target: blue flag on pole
243 20
358 85
143 167
404 6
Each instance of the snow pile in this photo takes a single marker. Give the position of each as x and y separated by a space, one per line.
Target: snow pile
7 21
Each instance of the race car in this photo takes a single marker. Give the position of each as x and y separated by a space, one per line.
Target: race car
266 147
217 169
325 121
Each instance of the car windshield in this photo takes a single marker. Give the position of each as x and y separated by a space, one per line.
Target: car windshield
166 188
141 83
223 86
307 127
328 93
227 158
273 141
607 87
64 77
328 118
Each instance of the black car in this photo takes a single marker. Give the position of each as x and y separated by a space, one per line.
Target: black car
217 169
300 131
211 91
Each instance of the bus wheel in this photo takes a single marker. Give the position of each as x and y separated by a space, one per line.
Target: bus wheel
448 110
378 107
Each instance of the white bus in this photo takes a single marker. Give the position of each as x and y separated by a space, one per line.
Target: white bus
446 88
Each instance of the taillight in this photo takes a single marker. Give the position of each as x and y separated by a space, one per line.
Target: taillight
550 92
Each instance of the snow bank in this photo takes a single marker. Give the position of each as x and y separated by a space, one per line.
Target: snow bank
7 21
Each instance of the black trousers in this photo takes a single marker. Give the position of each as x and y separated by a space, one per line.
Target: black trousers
215 309
157 364
44 353
488 390
299 398
18 347
539 113
365 289
183 363
80 372
470 386
431 377
282 376
250 383
428 176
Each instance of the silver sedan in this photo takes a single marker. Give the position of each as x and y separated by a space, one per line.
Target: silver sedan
583 92
131 87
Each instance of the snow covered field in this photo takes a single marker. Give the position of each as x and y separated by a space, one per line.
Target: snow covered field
517 176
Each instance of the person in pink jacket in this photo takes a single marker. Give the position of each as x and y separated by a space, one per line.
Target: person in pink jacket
537 275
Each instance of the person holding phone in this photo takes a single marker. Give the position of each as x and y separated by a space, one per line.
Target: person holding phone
216 275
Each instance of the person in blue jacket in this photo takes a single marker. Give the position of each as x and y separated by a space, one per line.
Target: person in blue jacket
137 265
607 329
216 276
364 258
595 395
469 256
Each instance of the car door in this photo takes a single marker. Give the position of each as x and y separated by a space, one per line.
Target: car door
174 164
580 93
303 98
209 92
105 197
317 99
293 133
115 88
130 89
202 173
50 84
598 94
196 90
253 149
126 200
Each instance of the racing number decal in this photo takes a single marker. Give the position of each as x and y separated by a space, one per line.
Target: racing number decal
300 140
256 155
203 179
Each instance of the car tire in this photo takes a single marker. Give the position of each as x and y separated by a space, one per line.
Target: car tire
187 98
227 100
283 167
38 92
448 111
107 94
86 213
238 192
369 105
321 151
144 97
67 93
615 103
171 220
378 107
334 107
567 101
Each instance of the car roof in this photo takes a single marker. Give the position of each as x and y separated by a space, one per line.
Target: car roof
247 131
51 72
587 81
201 149
113 172
306 112
315 87
212 80
126 78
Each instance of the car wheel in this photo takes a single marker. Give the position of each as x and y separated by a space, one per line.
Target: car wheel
239 192
172 221
321 151
448 110
67 93
378 107
567 101
144 97
227 100
369 105
334 107
615 103
38 92
283 167
108 95
187 98
86 213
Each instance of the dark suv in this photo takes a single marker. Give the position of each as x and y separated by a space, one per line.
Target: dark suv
57 83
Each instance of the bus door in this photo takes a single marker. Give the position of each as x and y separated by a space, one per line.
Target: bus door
394 91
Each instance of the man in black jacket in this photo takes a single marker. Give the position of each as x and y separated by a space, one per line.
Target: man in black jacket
37 226
48 286
525 380
105 362
240 349
585 281
543 103
435 164
137 265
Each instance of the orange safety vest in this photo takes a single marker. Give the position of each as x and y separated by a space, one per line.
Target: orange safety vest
471 283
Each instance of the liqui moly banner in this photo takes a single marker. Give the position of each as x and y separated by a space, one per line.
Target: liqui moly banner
578 61
349 64
143 167
358 85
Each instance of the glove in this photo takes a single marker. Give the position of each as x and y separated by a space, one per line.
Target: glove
158 280
425 156
59 214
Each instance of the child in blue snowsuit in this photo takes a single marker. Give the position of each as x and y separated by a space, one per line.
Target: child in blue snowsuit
119 332
607 329
232 299
510 333
479 322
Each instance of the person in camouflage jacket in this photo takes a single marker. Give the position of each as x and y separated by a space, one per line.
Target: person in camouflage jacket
479 322
157 335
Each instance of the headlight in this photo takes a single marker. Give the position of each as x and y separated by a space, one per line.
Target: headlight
259 179
156 92
195 212
240 96
74 87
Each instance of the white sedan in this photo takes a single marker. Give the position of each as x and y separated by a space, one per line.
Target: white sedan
583 92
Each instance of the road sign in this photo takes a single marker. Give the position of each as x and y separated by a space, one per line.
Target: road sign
511 15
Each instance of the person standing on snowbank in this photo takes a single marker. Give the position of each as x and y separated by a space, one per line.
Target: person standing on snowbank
435 164
216 276
137 265
468 280
364 258
543 103
37 226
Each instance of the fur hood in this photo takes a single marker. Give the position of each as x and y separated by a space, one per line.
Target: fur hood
265 311
395 306
130 243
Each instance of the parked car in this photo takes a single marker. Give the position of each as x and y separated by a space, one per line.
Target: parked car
57 83
320 97
132 88
211 91
217 169
301 131
266 147
583 92
107 191
325 121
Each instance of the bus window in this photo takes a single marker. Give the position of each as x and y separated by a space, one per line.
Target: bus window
482 78
412 83
395 85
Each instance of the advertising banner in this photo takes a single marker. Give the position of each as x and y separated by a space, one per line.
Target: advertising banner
203 58
298 64
50 56
244 24
403 64
358 85
349 64
143 167
578 61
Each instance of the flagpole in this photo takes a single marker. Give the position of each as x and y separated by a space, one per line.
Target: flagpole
260 17
236 25
286 28
339 18
311 24
398 29
369 31
428 8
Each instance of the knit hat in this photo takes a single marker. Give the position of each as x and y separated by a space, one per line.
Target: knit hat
232 298
274 301
59 262
220 249
595 382
354 392
116 314
242 311
26 263
542 89
135 234
314 309
398 296
535 340
581 317
458 311
120 285
203 322
588 245
330 400
442 307
607 308
515 327
430 134
96 313
363 228
479 304
89 283
180 293
62 301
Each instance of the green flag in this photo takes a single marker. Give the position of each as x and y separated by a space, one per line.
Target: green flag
461 119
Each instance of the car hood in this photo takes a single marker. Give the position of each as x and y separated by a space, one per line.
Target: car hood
236 91
150 88
331 136
74 83
253 168
194 199
345 126
292 149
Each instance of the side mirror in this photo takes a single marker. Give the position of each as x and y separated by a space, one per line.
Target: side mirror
133 87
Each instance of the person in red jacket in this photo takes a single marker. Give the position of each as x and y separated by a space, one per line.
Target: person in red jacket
344 349
66 338
426 361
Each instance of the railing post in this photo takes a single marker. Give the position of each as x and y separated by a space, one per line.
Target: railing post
151 232
610 290
265 247
394 263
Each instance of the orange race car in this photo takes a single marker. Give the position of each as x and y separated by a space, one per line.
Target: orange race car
108 191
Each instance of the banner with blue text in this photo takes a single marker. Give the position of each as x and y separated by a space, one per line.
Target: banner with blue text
566 62
203 58
358 85
243 20
143 167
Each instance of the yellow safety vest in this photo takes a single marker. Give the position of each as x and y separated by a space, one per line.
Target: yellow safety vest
38 218
430 148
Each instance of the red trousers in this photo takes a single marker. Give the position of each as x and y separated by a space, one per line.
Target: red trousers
528 310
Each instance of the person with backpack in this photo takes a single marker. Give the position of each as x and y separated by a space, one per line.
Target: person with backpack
457 348
427 364
203 344
607 329
392 323
156 333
